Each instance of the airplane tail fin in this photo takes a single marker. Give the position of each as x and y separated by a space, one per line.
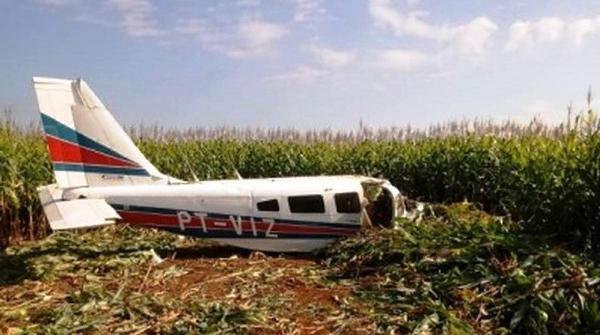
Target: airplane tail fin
87 146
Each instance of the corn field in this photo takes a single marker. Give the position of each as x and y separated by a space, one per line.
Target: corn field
547 178
444 269
363 133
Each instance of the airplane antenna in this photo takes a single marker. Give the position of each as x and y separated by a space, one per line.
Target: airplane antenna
235 171
237 174
189 166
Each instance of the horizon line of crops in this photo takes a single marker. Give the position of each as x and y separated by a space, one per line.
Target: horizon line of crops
574 121
550 183
585 121
477 127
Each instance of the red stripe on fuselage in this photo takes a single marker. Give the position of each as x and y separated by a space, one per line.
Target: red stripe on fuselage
66 152
171 221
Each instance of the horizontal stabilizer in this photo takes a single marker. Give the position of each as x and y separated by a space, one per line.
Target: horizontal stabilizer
75 214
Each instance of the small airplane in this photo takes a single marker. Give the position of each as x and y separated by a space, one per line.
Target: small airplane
102 178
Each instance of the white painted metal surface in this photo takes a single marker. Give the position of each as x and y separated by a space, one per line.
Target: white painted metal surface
102 176
78 213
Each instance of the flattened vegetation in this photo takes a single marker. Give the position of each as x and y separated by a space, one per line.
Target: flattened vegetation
446 270
108 280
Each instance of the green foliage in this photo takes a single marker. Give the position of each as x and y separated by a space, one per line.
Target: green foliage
24 166
459 271
90 283
452 270
552 185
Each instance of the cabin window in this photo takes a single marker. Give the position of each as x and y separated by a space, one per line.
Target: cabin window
306 204
268 205
347 202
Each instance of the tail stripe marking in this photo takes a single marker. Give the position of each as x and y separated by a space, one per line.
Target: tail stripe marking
66 152
100 169
75 152
58 130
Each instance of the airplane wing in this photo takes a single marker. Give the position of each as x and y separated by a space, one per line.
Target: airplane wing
74 214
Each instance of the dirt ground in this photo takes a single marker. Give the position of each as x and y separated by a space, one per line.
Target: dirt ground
215 272
284 294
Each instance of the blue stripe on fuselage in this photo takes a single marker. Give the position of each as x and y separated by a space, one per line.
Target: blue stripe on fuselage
212 233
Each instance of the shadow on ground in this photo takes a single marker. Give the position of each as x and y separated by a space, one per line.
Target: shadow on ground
20 263
225 251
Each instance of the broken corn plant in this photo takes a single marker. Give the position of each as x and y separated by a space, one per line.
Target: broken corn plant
460 271
451 270
95 283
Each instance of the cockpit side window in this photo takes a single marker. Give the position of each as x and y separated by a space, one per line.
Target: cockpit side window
306 204
347 202
268 205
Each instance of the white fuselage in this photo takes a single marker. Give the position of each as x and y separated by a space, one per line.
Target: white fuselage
102 177
280 214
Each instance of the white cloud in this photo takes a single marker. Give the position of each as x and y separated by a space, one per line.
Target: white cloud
328 63
55 3
471 38
191 27
331 58
402 59
236 36
306 10
580 29
301 75
248 37
260 33
137 17
93 19
255 37
519 35
524 35
248 3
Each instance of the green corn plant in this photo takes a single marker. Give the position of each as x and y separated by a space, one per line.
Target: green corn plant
543 177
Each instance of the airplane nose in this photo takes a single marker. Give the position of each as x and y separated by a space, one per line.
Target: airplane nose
385 206
396 198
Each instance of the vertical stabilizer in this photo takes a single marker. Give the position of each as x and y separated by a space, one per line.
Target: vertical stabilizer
87 146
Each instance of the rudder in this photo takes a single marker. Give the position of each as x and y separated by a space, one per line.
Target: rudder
86 144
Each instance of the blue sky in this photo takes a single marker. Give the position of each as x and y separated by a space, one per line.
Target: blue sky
306 63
